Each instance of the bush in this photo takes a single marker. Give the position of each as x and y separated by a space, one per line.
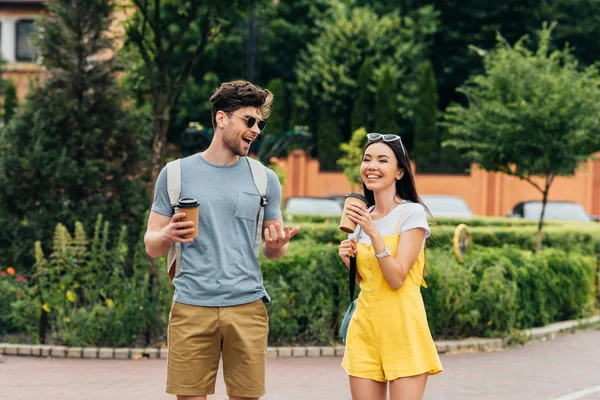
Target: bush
309 293
578 237
497 290
13 287
91 298
84 291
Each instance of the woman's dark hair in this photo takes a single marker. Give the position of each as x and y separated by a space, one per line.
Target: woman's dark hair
405 187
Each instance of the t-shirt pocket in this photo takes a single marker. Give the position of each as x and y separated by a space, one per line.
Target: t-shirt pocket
247 206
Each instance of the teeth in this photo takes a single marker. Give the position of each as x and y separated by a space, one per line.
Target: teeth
372 177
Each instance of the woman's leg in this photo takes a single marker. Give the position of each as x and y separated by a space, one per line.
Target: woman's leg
367 389
409 388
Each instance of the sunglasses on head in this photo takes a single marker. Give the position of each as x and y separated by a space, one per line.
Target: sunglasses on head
373 137
250 121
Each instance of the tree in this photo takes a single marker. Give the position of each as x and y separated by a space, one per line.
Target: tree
327 71
277 121
162 30
352 157
530 114
75 149
427 144
328 140
10 101
364 105
385 107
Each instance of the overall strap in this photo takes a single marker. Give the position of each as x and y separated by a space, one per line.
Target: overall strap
352 272
400 218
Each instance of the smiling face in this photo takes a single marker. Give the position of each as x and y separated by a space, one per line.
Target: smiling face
233 128
379 169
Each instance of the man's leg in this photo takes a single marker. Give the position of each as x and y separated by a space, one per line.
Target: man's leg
194 351
245 333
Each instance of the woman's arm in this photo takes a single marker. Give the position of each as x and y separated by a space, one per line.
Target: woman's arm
396 269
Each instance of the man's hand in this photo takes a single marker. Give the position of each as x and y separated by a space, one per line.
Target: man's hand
276 238
175 230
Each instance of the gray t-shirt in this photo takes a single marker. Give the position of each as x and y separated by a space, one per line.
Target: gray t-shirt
219 267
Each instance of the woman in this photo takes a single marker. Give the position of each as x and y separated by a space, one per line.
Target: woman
388 338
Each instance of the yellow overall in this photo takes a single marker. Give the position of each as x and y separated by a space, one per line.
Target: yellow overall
388 336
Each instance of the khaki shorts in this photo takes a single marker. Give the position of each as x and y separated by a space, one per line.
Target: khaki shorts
198 335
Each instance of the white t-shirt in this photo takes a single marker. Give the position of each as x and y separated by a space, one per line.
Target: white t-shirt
414 217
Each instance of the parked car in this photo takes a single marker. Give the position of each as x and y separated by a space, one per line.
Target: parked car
340 198
441 205
313 206
555 210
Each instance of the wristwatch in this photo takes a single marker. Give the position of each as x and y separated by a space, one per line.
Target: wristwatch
386 252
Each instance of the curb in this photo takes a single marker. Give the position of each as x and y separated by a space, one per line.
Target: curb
442 346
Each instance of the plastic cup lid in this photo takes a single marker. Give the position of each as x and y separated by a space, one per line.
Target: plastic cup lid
188 202
358 196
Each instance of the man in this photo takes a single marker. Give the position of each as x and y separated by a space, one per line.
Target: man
218 305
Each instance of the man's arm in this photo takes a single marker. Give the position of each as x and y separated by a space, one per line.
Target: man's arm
163 231
276 239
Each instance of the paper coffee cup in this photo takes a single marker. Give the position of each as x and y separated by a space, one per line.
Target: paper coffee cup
346 224
190 207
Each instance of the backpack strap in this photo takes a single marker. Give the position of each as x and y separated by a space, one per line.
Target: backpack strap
259 175
174 190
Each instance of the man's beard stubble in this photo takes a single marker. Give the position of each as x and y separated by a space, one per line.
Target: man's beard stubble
235 147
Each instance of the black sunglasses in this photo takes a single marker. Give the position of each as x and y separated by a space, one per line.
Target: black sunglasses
250 121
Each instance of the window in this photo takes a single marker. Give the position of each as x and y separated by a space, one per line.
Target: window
25 50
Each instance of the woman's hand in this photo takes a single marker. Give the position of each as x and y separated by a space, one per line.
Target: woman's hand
347 249
360 215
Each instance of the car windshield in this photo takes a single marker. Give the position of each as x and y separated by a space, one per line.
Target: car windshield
447 206
311 205
556 211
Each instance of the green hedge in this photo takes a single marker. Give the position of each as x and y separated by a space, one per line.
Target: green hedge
584 238
495 291
475 221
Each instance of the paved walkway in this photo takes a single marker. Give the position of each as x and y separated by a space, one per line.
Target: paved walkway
566 368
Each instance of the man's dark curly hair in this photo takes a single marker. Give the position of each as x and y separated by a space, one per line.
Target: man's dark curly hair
231 96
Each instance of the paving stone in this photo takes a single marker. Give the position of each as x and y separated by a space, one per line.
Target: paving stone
90 352
339 350
24 350
58 351
11 349
122 354
271 352
441 346
45 350
298 351
2 347
284 352
164 353
453 345
36 350
327 351
313 351
151 352
137 353
106 353
75 352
